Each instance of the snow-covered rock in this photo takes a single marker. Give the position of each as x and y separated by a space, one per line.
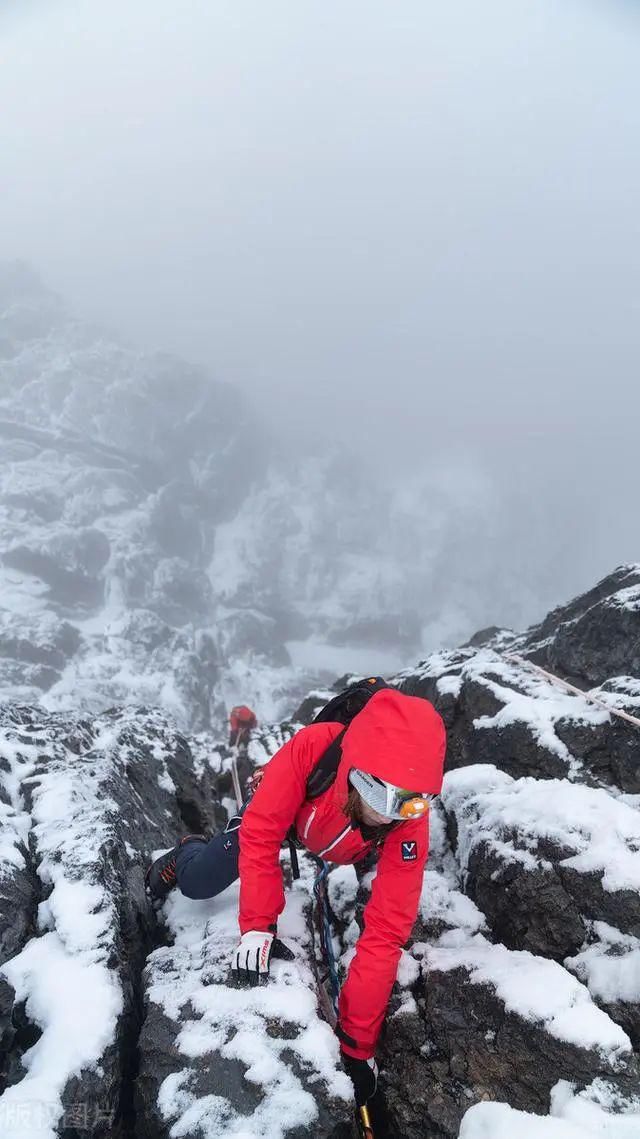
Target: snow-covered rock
217 1060
596 636
84 801
516 1001
541 857
532 885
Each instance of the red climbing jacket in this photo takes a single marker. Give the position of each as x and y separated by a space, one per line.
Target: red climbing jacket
397 738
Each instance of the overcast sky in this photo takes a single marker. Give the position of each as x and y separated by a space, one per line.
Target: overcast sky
414 223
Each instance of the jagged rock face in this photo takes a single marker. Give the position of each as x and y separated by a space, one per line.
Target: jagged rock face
473 1020
520 982
129 1036
596 636
541 831
85 802
464 1048
497 712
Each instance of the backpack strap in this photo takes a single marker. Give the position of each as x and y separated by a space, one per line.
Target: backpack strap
293 854
326 769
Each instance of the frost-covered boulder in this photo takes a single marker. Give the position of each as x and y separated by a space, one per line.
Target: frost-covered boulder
84 801
216 1060
498 710
596 636
542 857
478 1021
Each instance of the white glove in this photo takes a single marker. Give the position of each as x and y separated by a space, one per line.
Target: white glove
250 961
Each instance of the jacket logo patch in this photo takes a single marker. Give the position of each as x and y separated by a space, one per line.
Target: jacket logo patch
409 851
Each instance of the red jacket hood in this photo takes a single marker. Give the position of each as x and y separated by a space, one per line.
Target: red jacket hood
398 738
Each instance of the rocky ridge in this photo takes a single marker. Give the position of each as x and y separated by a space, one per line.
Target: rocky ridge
518 993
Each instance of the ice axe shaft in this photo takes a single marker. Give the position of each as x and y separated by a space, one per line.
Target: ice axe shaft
235 778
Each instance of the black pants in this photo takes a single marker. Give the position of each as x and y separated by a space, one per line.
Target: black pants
206 869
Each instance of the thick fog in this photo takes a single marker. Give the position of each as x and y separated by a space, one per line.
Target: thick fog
412 226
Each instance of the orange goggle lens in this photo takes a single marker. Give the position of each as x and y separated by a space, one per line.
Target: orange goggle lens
413 808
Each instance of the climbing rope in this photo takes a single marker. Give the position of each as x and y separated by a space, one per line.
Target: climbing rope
323 911
571 688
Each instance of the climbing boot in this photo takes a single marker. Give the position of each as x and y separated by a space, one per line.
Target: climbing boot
160 877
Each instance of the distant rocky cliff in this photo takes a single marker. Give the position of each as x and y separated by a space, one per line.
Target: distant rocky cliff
158 546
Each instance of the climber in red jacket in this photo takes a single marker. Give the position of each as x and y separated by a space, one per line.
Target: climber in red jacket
390 767
241 722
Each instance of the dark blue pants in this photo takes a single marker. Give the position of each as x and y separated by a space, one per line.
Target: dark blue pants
206 869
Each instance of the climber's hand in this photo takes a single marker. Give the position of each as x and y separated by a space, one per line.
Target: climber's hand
251 960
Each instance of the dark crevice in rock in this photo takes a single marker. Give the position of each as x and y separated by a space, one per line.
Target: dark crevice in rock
21 1035
199 812
20 895
7 1032
195 819
149 937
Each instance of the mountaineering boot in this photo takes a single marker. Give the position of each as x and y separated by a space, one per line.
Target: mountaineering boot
160 877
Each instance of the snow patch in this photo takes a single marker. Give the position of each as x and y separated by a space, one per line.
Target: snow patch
602 830
611 966
76 1002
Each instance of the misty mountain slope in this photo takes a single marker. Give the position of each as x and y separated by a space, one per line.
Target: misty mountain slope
367 567
517 999
115 469
118 469
159 547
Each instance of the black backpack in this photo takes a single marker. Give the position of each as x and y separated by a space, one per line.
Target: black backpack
341 710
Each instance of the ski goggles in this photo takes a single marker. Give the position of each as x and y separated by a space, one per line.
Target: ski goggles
386 799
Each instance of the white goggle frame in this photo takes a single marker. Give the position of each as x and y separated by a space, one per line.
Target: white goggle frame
386 799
